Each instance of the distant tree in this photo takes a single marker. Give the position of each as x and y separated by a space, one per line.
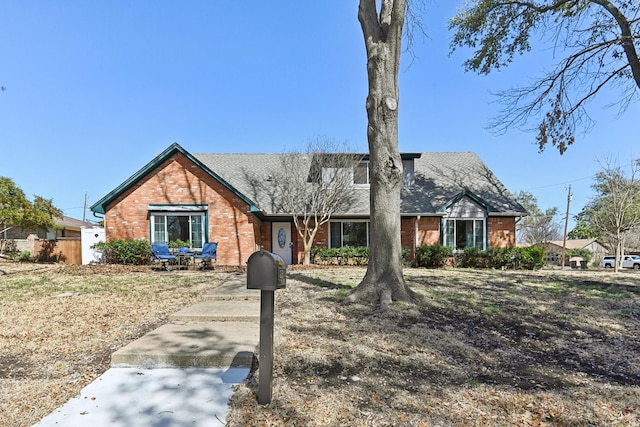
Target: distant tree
598 41
538 226
314 185
17 211
615 210
13 204
583 228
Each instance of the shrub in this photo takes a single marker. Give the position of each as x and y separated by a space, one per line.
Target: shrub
346 255
405 257
501 257
433 256
24 256
531 258
584 253
120 251
528 258
472 257
177 244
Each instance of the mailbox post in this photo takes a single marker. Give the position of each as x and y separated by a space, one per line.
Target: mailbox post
266 271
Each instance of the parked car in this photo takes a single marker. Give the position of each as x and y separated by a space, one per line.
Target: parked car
628 261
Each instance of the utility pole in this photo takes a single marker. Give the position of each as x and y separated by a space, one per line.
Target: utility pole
566 225
84 208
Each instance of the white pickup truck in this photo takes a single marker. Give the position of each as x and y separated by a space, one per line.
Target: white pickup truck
628 261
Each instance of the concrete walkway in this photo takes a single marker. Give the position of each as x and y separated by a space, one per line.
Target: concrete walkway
181 374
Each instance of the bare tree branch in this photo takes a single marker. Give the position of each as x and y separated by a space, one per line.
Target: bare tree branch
599 39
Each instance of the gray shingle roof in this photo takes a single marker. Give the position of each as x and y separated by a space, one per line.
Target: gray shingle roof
439 179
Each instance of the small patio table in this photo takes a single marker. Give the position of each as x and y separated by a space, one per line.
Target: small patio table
183 256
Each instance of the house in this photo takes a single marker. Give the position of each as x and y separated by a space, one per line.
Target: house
553 249
22 239
447 198
65 226
68 241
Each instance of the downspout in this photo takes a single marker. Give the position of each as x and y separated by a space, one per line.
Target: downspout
415 242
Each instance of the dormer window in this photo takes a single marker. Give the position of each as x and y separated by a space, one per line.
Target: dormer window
361 174
408 174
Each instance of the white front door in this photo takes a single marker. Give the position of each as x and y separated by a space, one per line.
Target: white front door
281 240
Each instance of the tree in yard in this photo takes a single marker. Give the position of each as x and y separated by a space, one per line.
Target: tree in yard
382 24
315 185
615 210
598 40
583 228
17 211
538 226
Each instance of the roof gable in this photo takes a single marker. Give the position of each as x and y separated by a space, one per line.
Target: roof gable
99 206
466 193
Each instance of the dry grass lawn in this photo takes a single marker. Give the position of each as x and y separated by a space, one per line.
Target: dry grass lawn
60 325
485 348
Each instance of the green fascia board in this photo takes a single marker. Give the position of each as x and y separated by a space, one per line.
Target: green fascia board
472 196
98 207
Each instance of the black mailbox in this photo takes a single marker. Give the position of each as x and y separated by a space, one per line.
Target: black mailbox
266 271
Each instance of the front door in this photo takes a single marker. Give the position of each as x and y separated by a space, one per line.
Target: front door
281 240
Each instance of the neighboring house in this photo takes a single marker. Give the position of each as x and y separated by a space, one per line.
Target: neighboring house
64 227
553 252
447 198
65 242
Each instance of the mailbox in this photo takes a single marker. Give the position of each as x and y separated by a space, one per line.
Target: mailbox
266 271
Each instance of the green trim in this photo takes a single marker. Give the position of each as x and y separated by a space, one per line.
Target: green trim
203 205
99 206
470 195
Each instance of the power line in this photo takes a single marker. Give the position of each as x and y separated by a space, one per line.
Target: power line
561 183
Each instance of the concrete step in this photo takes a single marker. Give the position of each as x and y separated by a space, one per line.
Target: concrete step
197 344
234 289
220 311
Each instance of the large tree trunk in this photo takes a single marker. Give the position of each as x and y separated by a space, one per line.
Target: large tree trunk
383 281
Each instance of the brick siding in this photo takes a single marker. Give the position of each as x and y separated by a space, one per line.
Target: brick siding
502 231
179 181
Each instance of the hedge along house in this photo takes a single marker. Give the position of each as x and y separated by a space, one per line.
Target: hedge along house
447 198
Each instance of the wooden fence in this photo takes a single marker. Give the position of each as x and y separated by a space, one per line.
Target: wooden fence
61 250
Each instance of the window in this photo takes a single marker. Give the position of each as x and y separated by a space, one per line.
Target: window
348 233
462 233
358 175
361 174
169 226
408 174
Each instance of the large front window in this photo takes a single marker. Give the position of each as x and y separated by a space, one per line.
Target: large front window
462 233
348 233
167 227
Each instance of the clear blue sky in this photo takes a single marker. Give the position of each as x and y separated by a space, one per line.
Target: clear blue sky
94 90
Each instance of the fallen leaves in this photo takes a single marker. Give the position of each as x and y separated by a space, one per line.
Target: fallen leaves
540 360
60 325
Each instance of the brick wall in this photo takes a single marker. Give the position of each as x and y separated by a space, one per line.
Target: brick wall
178 181
429 231
321 240
502 231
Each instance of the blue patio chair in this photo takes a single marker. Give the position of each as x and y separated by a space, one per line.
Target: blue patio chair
208 253
161 253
